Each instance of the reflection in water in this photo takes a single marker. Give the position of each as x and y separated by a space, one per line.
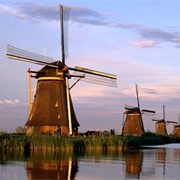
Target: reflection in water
134 164
42 166
5 157
176 155
161 158
157 163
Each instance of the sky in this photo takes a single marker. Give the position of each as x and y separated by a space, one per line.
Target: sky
139 41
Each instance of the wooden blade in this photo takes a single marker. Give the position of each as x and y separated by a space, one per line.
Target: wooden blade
158 120
172 122
23 55
148 111
94 72
96 77
137 96
64 19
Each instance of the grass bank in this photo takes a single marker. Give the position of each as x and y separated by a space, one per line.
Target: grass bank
9 142
12 142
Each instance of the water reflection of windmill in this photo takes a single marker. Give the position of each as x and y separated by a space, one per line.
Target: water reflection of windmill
161 124
52 109
133 122
161 159
60 169
176 130
134 161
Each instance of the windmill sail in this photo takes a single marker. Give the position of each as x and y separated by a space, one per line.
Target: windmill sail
23 55
64 19
96 77
90 75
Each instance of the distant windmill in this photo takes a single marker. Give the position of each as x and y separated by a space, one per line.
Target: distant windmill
176 131
133 121
161 124
52 109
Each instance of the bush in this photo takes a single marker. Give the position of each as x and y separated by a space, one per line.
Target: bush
132 142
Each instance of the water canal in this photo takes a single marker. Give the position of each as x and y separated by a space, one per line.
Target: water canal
160 162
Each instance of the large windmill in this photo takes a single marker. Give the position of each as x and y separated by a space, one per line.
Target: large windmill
52 109
133 121
161 124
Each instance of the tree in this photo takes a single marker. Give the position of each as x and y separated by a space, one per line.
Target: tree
21 129
112 131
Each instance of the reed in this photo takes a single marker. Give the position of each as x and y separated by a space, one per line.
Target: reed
78 144
11 142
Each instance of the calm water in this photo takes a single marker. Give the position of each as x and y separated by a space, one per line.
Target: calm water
161 162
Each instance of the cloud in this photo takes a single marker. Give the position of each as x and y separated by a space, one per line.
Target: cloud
88 16
36 12
145 44
10 102
154 33
156 36
40 13
154 93
31 12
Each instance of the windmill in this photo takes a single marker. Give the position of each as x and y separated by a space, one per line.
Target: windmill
52 109
161 124
176 131
133 121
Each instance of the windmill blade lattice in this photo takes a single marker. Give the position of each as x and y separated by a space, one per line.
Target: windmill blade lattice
95 77
23 55
64 19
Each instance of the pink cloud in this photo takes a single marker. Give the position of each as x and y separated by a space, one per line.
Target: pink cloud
6 101
145 44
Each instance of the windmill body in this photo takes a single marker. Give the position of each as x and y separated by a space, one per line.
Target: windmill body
52 111
49 113
176 130
133 124
160 127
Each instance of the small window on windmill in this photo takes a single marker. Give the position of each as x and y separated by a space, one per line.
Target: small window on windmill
58 115
56 104
35 129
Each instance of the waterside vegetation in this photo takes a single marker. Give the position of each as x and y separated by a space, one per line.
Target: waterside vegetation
22 142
